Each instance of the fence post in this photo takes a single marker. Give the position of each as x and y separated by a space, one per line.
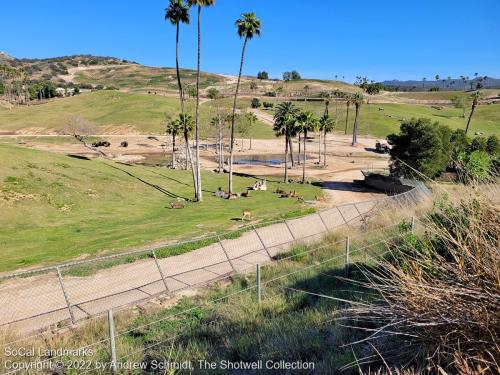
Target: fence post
160 270
413 224
262 242
66 298
346 264
259 290
111 325
227 256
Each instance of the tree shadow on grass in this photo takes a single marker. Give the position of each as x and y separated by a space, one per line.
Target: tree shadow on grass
154 186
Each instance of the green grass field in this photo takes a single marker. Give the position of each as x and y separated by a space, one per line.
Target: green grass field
55 208
380 123
116 111
113 111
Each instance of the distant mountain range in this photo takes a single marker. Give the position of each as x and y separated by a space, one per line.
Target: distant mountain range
444 84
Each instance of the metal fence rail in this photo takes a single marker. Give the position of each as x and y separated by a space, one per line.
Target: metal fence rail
36 299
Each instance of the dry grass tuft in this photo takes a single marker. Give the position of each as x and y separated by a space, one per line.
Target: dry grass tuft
438 305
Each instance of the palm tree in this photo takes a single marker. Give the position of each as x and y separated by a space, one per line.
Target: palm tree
248 26
306 121
252 119
437 80
199 4
173 128
476 96
347 103
177 13
326 125
423 82
357 99
187 123
326 98
285 119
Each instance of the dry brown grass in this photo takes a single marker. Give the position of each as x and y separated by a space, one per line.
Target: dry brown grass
438 305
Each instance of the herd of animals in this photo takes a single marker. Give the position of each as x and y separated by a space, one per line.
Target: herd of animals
258 185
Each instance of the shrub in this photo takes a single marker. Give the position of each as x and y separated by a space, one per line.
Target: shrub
422 146
268 105
441 310
255 103
493 145
270 93
474 166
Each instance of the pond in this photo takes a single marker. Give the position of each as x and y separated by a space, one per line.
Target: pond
263 159
155 160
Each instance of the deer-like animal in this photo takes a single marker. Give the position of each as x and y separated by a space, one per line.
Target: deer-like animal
176 205
247 214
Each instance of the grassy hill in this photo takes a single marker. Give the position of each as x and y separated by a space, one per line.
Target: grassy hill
59 207
382 119
113 112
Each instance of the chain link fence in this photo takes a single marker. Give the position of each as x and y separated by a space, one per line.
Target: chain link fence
72 292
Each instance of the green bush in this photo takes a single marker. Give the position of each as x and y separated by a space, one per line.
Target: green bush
422 146
255 103
474 166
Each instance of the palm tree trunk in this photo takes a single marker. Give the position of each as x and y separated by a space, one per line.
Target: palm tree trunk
319 147
346 119
324 149
304 159
286 159
173 150
355 128
470 117
300 149
290 142
181 96
231 145
199 196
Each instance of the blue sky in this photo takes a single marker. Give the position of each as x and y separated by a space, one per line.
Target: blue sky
379 39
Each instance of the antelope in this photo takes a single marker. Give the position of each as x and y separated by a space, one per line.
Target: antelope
247 214
246 194
176 205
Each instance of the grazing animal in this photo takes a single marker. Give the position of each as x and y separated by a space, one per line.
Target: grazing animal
176 205
247 214
246 194
260 185
293 194
124 144
279 190
101 144
220 193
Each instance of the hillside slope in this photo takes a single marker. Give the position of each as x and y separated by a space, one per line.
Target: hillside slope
60 207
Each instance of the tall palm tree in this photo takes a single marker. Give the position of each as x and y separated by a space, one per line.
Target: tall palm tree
423 82
248 26
437 80
173 127
285 119
177 13
476 96
347 103
306 121
357 99
252 119
326 98
199 4
326 125
187 123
